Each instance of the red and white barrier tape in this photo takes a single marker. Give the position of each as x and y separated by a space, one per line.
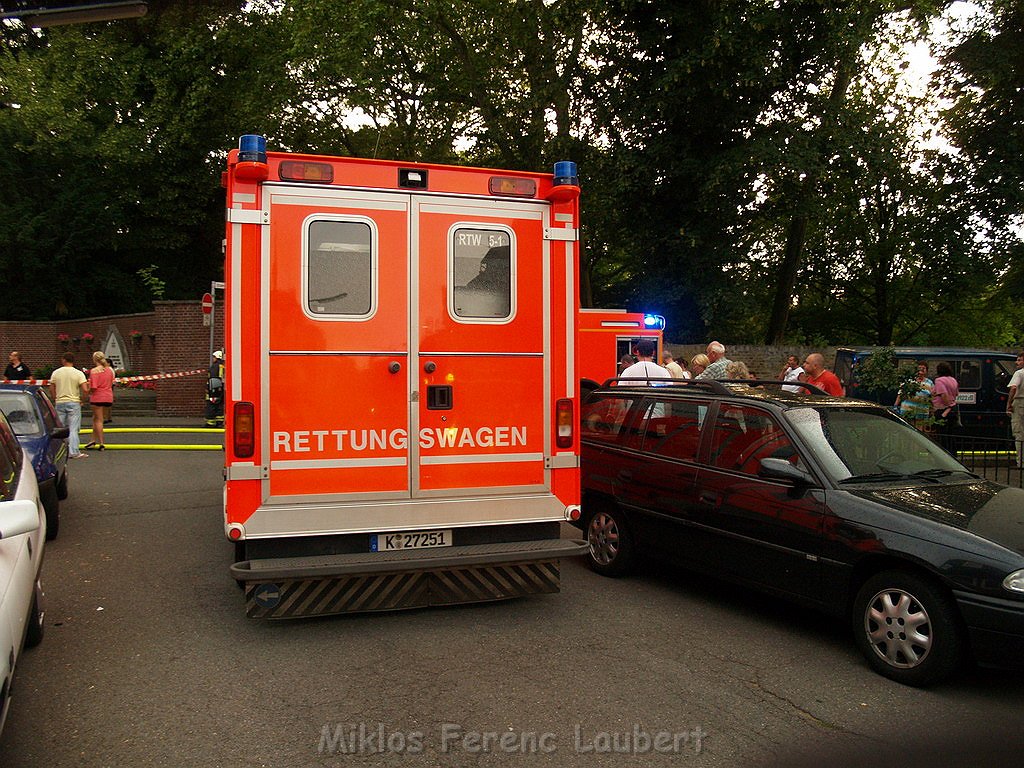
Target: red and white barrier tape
120 379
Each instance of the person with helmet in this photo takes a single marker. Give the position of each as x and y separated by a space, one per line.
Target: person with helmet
215 391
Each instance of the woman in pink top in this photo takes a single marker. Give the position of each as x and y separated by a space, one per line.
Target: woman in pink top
944 392
101 397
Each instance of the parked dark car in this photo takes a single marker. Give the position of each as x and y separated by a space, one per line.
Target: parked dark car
40 432
983 376
835 503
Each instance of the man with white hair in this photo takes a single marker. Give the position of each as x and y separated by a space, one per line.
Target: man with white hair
719 362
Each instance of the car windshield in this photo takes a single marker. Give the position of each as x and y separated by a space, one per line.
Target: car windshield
21 413
858 444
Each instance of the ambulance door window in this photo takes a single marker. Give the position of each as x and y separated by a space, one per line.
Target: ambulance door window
481 270
340 268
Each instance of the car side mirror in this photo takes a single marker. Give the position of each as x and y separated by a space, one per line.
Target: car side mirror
18 517
780 469
59 433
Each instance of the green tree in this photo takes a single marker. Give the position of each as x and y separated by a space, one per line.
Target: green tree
118 127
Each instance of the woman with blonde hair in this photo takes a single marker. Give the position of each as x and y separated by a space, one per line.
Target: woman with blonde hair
101 397
699 362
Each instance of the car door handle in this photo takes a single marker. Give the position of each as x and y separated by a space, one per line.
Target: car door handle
711 498
626 476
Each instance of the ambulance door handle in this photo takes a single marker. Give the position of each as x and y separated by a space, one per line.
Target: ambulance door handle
395 367
430 367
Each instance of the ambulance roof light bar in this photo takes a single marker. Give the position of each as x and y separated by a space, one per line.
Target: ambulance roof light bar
655 322
566 184
252 158
252 149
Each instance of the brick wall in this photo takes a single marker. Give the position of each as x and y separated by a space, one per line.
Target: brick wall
173 338
184 346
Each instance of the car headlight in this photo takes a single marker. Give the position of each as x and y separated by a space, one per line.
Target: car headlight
1014 582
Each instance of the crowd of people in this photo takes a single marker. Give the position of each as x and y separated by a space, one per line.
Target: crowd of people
714 364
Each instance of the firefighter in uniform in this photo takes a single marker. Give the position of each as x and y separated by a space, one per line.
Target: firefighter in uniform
215 391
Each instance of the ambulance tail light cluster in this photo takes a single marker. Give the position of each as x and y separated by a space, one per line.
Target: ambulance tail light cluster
512 187
244 432
297 170
565 423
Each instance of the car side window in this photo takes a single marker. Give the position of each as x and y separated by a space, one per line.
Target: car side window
742 436
1003 373
49 415
671 429
603 416
968 374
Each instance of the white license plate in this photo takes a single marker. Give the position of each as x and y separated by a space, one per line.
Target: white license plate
390 542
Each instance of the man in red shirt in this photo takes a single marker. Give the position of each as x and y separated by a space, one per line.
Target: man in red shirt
814 367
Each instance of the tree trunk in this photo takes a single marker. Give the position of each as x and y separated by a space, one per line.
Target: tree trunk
796 232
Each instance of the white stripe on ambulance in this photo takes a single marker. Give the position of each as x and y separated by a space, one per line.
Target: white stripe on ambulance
343 440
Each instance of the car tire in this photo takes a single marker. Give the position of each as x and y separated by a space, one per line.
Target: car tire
62 486
34 631
51 503
891 602
611 550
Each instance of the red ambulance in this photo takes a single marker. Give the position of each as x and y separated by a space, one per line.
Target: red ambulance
401 381
608 334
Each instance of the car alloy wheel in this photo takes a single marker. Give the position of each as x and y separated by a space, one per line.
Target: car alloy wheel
907 628
611 546
899 628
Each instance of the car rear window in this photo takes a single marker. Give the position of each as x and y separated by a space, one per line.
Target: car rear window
603 416
21 413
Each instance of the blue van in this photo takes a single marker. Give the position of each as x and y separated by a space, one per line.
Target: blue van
983 375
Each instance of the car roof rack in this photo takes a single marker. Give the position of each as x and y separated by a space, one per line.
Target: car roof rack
716 386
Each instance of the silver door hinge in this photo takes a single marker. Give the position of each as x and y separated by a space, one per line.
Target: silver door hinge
564 234
248 216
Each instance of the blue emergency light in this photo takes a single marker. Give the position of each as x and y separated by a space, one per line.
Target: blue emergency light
565 173
252 149
654 321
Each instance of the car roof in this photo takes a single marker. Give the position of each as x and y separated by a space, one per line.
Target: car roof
760 390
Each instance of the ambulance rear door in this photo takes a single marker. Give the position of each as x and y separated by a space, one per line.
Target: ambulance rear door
407 348
336 371
482 349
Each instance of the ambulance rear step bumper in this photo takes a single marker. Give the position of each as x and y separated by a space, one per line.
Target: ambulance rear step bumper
291 587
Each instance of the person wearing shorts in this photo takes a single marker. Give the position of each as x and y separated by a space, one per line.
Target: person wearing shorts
101 397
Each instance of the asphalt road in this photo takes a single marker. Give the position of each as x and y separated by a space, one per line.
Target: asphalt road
148 660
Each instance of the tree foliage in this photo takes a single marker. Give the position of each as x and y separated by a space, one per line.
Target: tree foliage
751 169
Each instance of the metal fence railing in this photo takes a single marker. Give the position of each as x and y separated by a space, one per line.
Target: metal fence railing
994 458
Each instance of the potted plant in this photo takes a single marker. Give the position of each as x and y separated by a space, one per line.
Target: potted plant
87 338
63 338
136 336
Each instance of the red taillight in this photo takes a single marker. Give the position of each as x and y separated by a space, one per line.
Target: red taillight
502 185
297 170
244 431
564 423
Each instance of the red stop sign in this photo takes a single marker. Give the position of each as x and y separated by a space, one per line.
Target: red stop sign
207 303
